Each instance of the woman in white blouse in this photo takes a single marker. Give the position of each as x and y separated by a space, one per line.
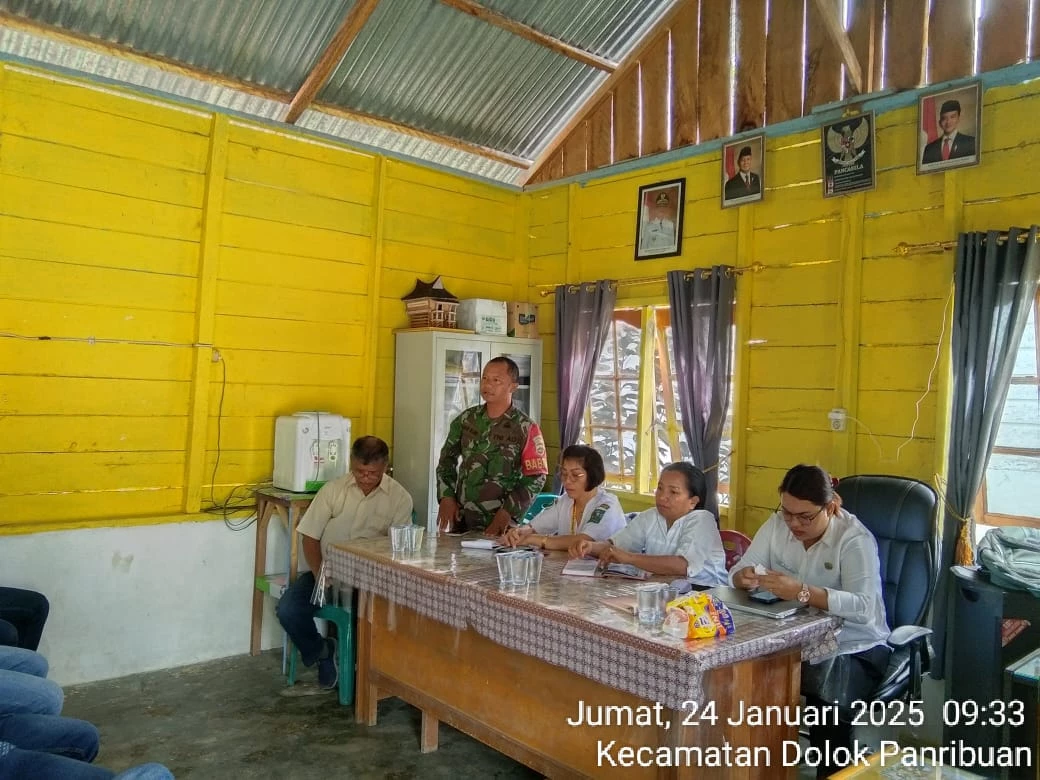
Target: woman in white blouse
674 538
585 509
814 551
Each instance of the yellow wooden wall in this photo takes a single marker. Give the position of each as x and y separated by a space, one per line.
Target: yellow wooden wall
155 257
834 318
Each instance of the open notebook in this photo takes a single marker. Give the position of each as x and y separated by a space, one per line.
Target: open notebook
591 567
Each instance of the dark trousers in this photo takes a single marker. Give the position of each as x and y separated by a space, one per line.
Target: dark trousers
22 616
841 680
296 614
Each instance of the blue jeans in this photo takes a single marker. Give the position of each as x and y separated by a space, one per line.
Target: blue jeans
68 737
296 614
18 764
24 689
26 611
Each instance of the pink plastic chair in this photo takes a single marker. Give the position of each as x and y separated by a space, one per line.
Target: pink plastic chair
735 544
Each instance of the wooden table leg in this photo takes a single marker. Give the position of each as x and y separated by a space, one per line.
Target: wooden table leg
430 732
263 519
366 697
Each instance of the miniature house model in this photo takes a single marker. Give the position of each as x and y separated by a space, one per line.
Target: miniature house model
429 305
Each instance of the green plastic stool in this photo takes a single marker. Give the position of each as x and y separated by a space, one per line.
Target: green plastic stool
343 619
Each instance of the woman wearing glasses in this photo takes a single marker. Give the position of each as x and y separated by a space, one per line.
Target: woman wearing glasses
814 551
584 509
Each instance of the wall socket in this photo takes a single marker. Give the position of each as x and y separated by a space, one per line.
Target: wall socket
215 357
837 419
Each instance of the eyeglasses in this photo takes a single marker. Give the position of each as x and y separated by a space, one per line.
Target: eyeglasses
368 474
567 476
803 518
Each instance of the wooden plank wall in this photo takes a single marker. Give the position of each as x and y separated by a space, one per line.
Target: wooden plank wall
772 82
835 318
136 236
100 219
436 223
294 251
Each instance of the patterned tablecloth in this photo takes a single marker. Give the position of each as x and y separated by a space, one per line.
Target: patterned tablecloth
563 620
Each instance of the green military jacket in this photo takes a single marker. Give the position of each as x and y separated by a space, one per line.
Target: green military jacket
503 464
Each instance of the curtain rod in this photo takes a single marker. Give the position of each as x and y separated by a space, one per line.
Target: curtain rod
545 290
938 247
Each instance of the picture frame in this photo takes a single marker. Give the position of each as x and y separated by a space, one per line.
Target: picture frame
949 128
848 155
745 184
659 219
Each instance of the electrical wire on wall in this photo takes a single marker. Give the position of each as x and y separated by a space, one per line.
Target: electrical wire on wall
240 498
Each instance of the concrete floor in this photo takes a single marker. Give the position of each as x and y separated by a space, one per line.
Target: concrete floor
231 719
227 719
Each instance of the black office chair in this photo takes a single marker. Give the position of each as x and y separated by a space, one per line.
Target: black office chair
900 512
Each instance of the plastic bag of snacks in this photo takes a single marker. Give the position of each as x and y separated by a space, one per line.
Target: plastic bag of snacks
698 616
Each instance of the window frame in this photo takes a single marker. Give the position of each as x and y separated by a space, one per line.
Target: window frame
981 511
654 319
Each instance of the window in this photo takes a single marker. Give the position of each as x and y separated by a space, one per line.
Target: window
630 394
1010 494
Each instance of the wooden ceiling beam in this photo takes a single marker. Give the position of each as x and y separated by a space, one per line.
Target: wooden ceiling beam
330 58
832 23
276 95
604 89
529 33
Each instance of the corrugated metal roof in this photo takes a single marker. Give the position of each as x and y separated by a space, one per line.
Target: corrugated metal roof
416 62
427 65
608 28
270 43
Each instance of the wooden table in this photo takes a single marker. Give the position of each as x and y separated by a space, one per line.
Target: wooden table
289 508
510 668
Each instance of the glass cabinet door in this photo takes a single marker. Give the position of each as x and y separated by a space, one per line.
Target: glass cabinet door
460 389
522 394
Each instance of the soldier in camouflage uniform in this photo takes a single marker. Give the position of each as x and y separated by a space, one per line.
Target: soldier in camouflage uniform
503 461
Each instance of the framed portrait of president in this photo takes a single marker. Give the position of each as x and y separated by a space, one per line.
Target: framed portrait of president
743 171
949 127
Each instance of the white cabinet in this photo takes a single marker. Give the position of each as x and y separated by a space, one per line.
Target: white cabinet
437 375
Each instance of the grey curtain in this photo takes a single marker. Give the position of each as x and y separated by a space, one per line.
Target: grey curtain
583 314
702 337
994 287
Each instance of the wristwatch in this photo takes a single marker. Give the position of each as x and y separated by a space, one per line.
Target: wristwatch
803 594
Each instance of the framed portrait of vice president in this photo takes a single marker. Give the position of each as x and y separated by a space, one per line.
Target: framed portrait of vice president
743 171
949 128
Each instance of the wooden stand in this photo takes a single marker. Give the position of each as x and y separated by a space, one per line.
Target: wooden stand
289 507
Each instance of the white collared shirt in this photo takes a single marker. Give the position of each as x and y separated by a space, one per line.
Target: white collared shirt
694 536
844 562
602 517
341 512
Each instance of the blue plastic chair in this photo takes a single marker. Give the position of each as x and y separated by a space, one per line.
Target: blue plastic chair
541 501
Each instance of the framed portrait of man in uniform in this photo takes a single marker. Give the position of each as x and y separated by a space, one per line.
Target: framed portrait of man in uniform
949 126
659 219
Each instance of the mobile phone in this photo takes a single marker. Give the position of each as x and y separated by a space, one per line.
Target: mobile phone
765 596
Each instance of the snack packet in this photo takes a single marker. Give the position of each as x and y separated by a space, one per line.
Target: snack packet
698 616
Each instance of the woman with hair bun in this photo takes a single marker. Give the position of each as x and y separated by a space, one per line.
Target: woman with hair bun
813 551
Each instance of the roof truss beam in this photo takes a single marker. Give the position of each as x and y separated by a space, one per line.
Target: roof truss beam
330 58
828 10
529 33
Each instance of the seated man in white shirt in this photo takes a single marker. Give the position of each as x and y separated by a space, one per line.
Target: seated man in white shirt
585 507
814 551
673 538
363 503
